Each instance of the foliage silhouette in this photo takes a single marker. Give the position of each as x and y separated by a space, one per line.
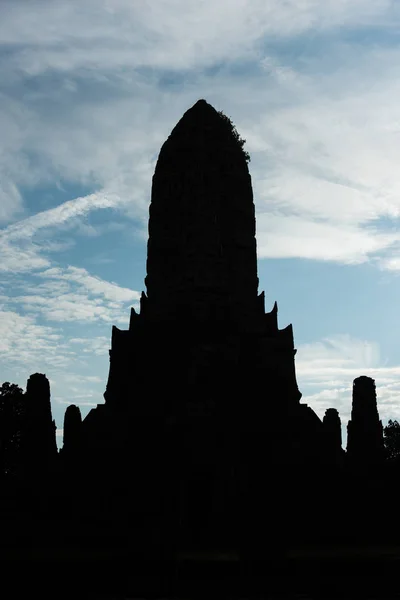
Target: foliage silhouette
392 439
239 140
12 413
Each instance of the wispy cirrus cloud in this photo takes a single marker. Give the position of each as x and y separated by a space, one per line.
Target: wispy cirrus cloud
292 236
117 33
59 215
310 184
21 251
25 342
98 345
73 295
331 149
11 203
93 285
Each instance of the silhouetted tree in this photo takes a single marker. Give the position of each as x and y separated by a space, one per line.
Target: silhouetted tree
392 439
239 140
12 414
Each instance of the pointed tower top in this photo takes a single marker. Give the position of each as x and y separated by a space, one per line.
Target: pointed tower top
200 103
203 126
202 249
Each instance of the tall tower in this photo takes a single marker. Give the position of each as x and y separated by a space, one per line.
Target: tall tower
72 429
364 430
202 394
202 327
333 428
333 434
202 260
40 440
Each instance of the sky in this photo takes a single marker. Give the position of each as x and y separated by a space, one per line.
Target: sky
90 90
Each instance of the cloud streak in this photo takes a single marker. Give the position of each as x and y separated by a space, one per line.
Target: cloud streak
280 236
93 285
19 252
72 294
59 215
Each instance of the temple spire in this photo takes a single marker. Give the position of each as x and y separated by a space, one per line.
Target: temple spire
364 430
202 247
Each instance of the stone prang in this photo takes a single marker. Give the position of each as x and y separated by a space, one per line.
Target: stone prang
364 430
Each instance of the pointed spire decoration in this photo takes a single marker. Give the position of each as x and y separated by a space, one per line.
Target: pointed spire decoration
202 246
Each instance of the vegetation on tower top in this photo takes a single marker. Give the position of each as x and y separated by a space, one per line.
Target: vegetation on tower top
239 140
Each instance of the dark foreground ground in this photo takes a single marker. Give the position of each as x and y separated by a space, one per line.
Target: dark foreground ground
308 572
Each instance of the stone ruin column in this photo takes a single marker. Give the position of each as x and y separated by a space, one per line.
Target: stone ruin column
364 430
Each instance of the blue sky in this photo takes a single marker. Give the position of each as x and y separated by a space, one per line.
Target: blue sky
88 93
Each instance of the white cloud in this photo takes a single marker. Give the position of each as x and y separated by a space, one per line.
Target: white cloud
54 217
323 130
20 258
391 264
325 153
23 341
68 307
19 252
72 294
325 159
10 200
280 236
78 401
339 351
167 34
98 346
92 285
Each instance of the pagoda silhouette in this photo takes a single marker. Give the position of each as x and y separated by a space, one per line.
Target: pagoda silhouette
202 380
202 450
